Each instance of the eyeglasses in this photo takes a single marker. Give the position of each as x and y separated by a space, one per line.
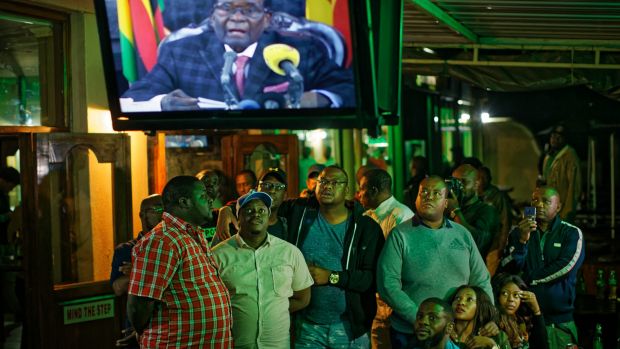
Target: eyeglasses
227 9
269 186
433 195
332 182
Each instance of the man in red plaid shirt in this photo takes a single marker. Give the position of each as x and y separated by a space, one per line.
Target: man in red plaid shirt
176 297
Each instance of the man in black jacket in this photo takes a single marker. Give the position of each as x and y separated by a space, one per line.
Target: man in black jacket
341 247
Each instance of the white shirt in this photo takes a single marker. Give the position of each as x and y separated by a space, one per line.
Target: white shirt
389 214
260 282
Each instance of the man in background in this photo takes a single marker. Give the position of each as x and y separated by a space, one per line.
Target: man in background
151 210
375 194
492 195
211 179
562 171
272 182
479 218
313 174
418 167
245 181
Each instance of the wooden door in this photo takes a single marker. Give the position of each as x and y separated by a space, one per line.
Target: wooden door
260 152
77 198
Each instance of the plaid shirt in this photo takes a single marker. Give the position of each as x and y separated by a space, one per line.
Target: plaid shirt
170 266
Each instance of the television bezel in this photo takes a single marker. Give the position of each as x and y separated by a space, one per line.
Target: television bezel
363 115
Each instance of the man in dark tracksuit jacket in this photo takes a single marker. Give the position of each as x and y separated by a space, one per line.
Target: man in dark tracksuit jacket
327 229
549 252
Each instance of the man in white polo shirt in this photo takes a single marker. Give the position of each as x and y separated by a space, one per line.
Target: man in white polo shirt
267 277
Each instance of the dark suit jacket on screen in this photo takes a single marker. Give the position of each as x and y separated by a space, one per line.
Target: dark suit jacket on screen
193 64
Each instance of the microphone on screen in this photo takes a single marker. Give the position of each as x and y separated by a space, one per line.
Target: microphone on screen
229 59
283 60
272 100
248 104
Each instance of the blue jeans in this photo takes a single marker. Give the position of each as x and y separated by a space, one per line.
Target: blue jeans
334 336
400 339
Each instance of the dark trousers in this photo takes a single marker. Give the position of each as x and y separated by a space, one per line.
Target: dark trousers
400 340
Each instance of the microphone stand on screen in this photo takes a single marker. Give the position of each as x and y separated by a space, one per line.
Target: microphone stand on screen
225 80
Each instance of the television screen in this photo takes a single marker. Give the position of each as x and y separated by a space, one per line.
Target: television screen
178 64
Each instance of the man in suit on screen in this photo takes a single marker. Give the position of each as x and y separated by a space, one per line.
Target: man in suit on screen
189 70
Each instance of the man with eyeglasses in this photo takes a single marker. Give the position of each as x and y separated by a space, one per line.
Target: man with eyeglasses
427 256
548 252
151 210
273 182
341 246
267 277
191 68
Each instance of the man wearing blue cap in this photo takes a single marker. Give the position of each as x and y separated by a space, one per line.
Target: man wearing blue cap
273 182
266 276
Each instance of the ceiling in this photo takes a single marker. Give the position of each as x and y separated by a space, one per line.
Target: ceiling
533 22
497 44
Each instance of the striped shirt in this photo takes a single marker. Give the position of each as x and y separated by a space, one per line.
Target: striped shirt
174 265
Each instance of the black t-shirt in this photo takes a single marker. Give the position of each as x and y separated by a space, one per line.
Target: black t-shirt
279 229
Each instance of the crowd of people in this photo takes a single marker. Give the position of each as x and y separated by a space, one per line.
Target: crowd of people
456 270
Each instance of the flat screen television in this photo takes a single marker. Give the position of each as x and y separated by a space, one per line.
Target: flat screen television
232 64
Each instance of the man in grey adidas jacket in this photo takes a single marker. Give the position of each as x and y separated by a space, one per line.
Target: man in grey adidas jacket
426 256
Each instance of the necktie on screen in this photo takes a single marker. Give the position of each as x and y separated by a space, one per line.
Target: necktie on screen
240 73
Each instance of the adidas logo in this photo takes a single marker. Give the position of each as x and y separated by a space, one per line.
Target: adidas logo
456 245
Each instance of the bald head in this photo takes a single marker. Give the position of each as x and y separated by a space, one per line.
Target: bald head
549 191
151 210
465 170
150 201
431 201
468 175
435 181
547 202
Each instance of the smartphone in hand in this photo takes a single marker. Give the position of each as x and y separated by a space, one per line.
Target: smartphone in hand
529 212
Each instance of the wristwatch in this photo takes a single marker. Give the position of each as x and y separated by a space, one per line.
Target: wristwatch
334 277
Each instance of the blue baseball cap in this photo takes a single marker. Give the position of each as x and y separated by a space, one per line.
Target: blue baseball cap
253 195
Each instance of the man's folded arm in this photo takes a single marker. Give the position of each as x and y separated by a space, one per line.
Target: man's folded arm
139 311
389 278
